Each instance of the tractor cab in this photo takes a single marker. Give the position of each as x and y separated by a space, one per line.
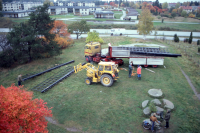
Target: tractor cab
109 68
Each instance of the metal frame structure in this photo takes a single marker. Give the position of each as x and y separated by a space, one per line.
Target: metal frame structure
55 79
48 70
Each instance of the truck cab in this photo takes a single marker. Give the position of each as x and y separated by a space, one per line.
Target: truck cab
91 49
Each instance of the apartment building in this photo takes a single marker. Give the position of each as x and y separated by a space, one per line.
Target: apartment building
67 3
13 6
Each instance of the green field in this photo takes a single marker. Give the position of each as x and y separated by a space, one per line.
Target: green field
183 27
117 109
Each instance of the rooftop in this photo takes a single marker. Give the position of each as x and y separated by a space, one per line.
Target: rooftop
104 12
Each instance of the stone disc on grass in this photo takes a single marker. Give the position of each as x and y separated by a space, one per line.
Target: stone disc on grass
157 93
148 120
156 102
159 109
144 104
147 111
168 104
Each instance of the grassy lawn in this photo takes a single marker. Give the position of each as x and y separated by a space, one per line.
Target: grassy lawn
63 16
184 27
94 108
177 19
117 12
18 20
117 16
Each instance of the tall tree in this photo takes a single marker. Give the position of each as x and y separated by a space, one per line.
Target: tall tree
165 5
47 2
94 37
20 113
177 5
156 3
191 37
32 39
78 28
180 11
1 6
62 36
145 24
112 3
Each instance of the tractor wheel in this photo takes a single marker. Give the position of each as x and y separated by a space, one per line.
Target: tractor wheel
106 80
87 58
88 81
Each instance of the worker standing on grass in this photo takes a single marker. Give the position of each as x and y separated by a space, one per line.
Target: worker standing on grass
139 72
19 78
130 70
153 119
167 118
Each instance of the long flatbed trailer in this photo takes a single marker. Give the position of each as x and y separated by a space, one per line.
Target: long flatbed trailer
141 55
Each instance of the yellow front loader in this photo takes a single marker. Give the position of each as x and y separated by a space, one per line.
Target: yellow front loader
106 73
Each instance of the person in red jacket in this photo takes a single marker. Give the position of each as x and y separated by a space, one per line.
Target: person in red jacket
139 72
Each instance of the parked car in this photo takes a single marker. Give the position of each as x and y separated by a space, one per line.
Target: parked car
127 18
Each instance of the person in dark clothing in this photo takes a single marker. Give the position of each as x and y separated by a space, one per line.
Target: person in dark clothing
160 114
130 70
167 118
19 78
132 64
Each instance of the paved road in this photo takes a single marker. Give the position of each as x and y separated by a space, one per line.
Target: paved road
73 36
133 33
124 15
166 33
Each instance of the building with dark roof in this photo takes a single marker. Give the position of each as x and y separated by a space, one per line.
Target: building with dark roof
104 14
17 14
132 13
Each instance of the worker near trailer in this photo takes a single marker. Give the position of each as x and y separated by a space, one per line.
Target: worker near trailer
19 78
130 69
153 119
167 118
139 72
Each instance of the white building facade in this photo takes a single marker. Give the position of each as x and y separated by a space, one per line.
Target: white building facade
12 6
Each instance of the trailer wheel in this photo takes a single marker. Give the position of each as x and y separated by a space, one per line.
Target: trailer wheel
111 34
88 81
154 66
145 66
106 80
120 34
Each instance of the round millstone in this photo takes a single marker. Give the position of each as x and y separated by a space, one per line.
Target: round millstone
157 93
144 104
147 111
168 104
156 102
148 120
159 108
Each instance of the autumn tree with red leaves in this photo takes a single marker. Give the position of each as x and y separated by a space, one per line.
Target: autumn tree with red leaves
19 113
62 35
112 3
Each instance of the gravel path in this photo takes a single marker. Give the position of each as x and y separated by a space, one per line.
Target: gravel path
191 85
52 121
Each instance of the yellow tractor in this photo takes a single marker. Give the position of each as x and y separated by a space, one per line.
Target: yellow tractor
106 73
